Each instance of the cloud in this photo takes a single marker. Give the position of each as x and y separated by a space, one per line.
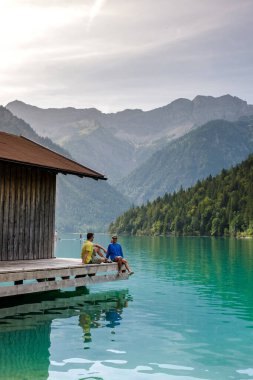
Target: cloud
95 11
119 54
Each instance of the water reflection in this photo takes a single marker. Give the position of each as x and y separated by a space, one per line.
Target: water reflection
192 317
113 317
25 329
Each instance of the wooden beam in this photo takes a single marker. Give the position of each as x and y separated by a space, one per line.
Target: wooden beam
14 290
52 274
30 272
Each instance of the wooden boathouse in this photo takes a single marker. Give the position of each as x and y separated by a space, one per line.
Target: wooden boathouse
27 221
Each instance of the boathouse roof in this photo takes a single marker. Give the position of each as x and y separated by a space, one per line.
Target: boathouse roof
19 149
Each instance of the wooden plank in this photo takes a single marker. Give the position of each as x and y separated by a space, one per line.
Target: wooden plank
1 207
22 213
24 273
46 248
38 274
52 218
5 225
12 204
27 228
17 213
33 237
39 238
41 212
46 264
40 269
7 291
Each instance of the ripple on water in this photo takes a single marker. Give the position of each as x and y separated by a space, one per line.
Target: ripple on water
100 369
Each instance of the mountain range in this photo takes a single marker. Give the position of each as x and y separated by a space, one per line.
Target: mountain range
117 143
148 153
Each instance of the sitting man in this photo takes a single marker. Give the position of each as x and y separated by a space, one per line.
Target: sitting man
90 251
115 253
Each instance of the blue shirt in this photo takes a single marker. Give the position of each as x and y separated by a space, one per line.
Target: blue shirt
114 250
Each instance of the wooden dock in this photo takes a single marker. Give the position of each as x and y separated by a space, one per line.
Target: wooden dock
30 276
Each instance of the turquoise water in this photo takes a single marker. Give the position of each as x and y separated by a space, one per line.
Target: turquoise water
187 313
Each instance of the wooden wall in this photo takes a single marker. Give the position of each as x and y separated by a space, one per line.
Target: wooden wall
27 212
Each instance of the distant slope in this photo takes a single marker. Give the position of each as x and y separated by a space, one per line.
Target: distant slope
120 142
102 151
207 150
85 204
11 124
81 203
216 206
106 153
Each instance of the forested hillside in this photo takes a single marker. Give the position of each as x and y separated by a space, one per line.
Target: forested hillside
217 206
206 150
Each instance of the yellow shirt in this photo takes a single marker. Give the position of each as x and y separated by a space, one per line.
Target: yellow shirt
87 247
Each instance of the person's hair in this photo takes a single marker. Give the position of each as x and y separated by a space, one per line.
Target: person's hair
89 235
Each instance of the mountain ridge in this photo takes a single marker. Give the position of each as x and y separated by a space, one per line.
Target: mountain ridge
180 111
133 135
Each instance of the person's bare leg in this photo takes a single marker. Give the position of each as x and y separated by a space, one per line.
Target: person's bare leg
124 261
119 261
98 251
127 265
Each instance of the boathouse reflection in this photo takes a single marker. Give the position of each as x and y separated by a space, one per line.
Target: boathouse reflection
25 329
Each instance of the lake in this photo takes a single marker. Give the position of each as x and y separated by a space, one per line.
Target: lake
186 313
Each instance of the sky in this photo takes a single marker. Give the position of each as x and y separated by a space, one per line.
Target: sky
118 54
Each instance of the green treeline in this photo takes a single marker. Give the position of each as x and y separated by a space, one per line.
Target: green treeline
217 206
